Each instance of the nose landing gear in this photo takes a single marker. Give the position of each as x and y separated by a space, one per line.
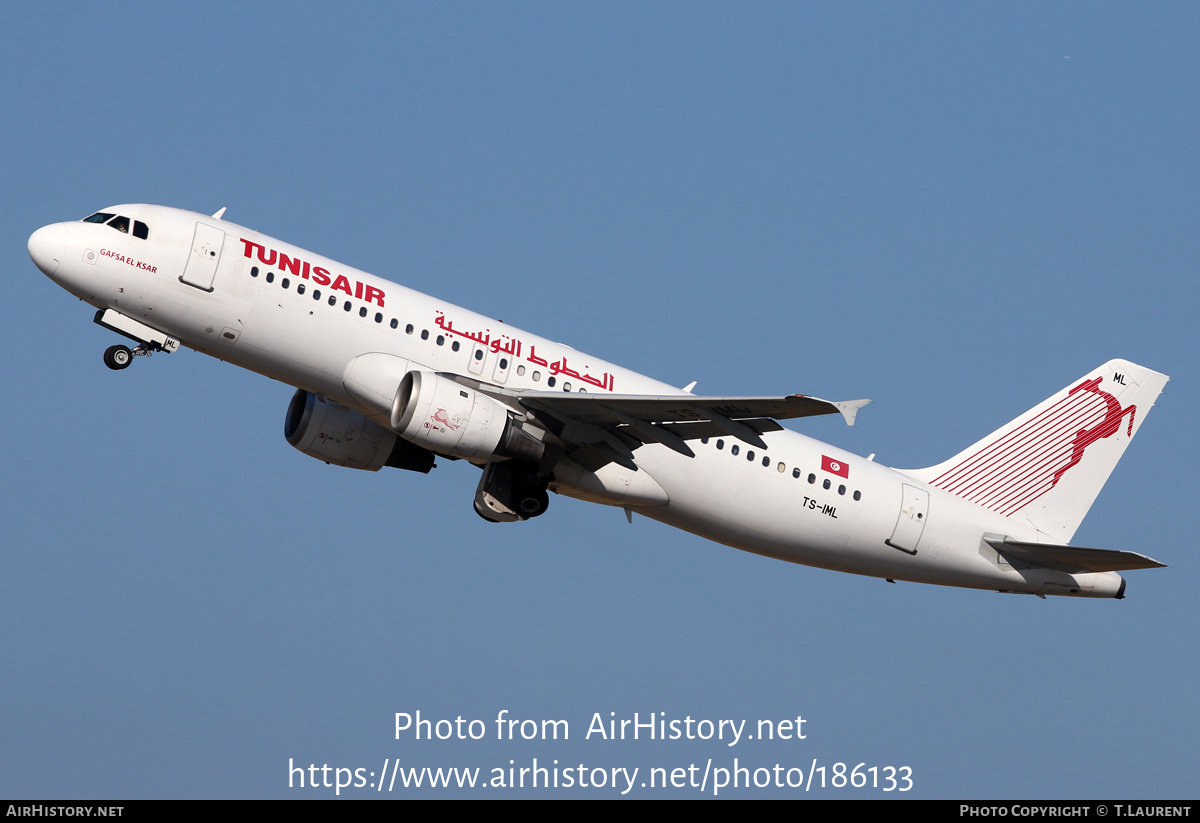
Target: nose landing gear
120 357
150 340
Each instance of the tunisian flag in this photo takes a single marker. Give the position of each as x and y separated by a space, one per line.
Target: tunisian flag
835 467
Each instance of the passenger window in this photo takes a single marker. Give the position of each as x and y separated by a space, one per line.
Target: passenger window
566 386
362 311
284 282
781 468
333 300
270 277
795 472
550 381
424 334
720 445
378 317
826 484
735 448
300 289
140 230
254 271
455 347
395 323
750 455
857 495
841 489
441 340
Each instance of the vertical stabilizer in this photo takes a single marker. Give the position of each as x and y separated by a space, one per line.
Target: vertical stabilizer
1048 465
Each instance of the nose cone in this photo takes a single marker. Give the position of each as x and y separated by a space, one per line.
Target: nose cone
47 245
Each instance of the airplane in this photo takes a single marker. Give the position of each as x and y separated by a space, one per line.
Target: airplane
388 376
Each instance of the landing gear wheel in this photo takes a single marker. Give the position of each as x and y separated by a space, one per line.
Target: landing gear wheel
118 357
511 490
533 502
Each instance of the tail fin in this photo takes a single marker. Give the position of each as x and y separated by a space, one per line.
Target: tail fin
1048 465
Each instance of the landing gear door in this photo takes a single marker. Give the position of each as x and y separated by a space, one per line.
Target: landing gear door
914 510
206 254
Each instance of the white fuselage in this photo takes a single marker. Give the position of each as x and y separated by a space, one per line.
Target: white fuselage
307 321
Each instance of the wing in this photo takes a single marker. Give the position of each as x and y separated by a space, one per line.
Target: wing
608 409
596 429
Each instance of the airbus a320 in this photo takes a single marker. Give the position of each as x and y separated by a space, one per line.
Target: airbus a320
387 376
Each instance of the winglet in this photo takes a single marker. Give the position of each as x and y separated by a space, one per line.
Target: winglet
849 408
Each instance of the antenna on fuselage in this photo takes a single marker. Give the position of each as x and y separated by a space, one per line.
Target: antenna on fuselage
220 212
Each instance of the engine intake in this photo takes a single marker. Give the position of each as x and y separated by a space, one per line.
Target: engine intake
449 418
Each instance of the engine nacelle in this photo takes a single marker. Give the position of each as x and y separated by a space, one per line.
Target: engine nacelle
337 435
449 418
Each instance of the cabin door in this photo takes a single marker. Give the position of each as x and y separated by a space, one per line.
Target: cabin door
914 510
205 255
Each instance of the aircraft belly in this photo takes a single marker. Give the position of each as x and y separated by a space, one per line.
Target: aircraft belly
210 325
752 507
760 510
950 550
308 364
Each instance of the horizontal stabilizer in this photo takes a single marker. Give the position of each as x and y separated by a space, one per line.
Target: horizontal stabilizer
1072 559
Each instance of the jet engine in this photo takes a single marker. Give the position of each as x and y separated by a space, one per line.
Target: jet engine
333 433
446 417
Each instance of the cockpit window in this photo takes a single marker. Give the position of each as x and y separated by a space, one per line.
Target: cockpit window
121 223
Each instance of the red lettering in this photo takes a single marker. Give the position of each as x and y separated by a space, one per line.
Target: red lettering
250 246
289 264
374 295
318 274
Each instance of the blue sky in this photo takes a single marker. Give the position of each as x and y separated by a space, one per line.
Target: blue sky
952 209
